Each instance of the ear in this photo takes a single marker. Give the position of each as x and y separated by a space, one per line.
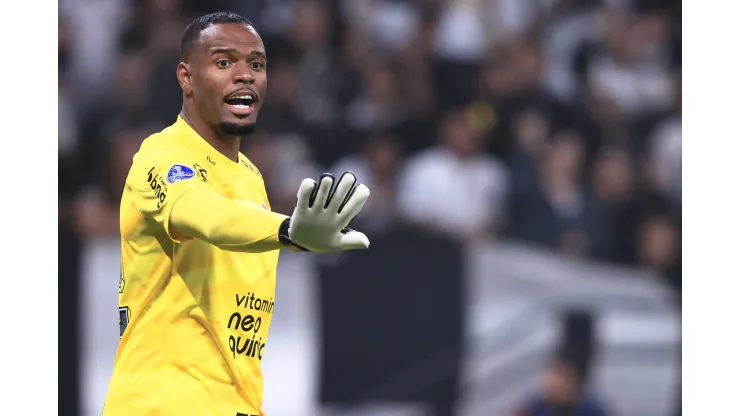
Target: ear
184 78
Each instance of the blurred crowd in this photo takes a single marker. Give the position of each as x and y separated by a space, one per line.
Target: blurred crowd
551 122
555 122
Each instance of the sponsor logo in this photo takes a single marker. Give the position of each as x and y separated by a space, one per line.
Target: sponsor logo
250 167
158 186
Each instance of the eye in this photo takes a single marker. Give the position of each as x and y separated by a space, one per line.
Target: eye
223 63
257 66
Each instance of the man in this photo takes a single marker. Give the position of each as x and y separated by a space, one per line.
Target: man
564 390
200 244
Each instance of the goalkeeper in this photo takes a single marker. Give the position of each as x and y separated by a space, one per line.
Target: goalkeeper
200 244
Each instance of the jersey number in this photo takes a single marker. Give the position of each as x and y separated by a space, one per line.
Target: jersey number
124 314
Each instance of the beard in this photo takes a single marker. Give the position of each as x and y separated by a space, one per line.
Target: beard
237 129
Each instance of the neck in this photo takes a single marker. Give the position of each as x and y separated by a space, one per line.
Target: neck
227 145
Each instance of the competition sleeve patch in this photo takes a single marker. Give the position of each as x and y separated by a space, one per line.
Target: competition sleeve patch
179 173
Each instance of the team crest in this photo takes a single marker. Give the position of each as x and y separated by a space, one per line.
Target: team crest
202 173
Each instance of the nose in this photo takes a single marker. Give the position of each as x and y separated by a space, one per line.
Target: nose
243 75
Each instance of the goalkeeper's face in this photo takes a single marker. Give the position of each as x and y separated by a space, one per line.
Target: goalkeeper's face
229 77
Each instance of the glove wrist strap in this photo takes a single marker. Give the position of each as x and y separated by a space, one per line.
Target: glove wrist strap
284 237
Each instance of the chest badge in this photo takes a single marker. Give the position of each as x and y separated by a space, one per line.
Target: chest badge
202 173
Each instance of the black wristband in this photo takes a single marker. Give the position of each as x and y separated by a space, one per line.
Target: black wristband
284 236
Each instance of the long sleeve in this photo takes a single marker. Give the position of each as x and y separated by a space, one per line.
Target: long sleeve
229 224
168 192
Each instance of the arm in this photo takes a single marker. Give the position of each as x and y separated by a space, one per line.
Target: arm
167 190
186 206
319 222
228 224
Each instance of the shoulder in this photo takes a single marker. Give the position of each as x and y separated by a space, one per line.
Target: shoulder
244 161
162 155
167 144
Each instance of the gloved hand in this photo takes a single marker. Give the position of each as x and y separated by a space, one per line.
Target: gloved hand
319 221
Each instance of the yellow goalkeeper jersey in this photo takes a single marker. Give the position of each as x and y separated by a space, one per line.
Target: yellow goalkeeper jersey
193 317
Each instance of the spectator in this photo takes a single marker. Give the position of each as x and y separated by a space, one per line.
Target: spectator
613 185
513 82
126 106
68 111
376 166
633 69
280 116
416 87
378 107
664 157
317 66
558 213
564 393
659 246
94 26
530 130
455 188
461 43
96 211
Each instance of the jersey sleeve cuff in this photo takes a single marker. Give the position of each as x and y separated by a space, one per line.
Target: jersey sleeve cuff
284 237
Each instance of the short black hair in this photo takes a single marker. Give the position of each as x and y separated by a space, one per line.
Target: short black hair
192 33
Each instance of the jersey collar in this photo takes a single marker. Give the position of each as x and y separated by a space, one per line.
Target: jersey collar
214 156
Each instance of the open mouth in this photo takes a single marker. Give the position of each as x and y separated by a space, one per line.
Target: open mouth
242 102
